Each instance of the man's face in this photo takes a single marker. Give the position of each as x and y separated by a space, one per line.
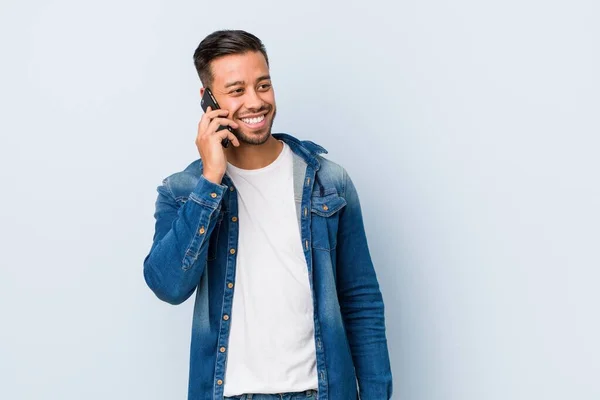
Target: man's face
242 86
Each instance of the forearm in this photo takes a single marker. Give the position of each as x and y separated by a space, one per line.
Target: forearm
177 258
363 314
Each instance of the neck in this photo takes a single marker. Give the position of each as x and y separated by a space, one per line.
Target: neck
248 156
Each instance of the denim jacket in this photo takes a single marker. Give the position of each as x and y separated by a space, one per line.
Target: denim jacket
194 249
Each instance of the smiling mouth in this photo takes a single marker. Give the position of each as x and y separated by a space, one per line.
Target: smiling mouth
255 123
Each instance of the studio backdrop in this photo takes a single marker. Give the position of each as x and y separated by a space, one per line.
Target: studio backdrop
470 130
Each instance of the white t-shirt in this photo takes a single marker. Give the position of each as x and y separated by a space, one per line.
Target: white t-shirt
271 342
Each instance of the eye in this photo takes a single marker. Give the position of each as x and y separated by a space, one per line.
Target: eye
237 91
265 86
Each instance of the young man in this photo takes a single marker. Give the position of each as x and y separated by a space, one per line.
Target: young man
271 221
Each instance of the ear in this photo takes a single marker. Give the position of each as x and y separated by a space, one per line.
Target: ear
201 92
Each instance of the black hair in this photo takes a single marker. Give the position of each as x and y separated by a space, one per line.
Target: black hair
222 43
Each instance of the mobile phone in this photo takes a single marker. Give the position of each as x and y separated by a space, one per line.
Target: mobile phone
208 100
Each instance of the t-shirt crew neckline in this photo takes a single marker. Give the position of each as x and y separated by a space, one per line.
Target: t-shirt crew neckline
274 164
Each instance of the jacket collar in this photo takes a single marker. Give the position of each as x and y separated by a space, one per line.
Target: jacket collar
304 148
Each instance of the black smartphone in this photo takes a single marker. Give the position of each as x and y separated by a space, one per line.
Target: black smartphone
208 100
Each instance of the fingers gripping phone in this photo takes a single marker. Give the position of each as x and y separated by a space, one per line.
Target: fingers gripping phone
208 100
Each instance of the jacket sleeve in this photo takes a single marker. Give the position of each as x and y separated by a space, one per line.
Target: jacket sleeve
361 302
177 258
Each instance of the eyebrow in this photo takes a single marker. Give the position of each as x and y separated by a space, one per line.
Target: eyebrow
262 78
234 84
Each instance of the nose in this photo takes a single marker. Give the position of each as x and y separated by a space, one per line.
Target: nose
253 101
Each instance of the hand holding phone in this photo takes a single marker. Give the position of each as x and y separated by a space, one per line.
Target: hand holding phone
208 100
212 132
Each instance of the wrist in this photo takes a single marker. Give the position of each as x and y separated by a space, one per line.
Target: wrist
213 177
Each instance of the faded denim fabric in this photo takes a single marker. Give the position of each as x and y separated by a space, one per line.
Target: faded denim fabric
194 249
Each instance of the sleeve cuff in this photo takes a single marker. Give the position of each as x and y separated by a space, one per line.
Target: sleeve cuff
208 193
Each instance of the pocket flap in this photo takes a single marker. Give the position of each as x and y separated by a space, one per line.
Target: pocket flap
328 205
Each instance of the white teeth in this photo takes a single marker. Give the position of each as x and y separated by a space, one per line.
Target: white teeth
253 120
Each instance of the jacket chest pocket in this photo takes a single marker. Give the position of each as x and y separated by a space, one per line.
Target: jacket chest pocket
325 213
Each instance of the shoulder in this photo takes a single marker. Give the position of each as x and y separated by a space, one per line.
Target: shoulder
332 174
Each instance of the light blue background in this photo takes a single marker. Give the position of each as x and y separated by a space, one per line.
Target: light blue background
470 129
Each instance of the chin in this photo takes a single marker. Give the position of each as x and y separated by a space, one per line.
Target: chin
254 138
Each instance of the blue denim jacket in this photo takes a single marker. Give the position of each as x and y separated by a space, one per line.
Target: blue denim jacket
194 249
